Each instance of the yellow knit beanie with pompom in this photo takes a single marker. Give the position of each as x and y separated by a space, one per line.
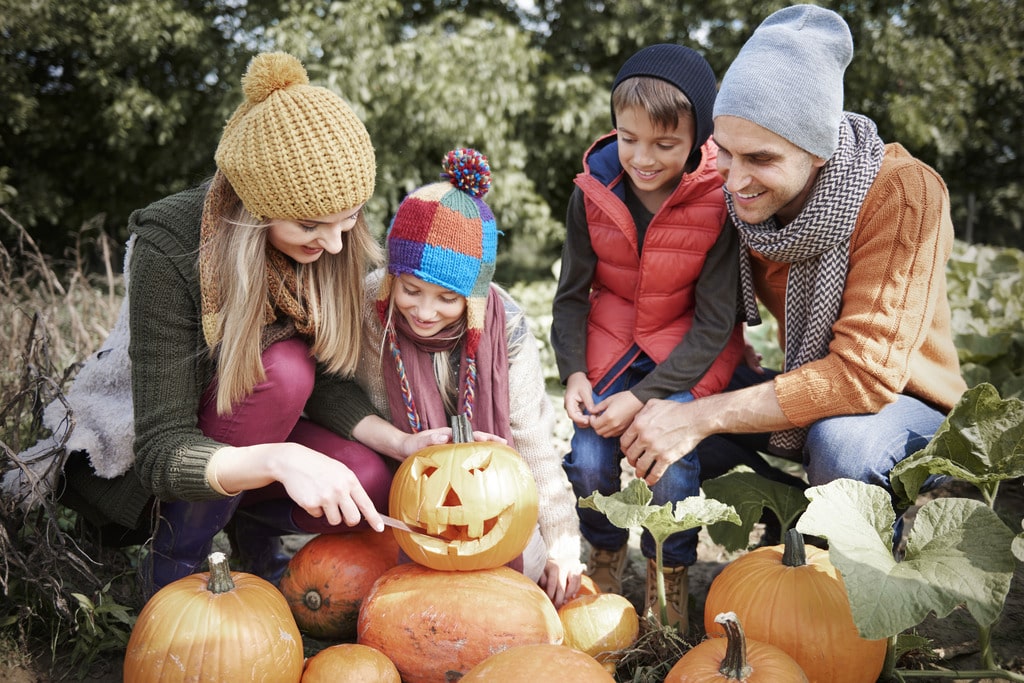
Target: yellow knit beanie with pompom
293 150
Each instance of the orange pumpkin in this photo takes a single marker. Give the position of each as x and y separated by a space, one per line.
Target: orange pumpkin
538 664
212 627
350 663
587 586
792 597
478 497
600 625
327 579
734 658
431 622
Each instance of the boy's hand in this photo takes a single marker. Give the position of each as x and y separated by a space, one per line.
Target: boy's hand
579 399
613 415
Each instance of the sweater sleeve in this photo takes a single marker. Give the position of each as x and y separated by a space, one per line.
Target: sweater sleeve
894 286
571 305
171 453
533 422
714 319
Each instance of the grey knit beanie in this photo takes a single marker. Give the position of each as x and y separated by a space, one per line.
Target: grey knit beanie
788 77
684 68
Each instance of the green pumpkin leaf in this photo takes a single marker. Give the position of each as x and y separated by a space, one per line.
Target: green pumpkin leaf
958 553
981 442
631 507
749 493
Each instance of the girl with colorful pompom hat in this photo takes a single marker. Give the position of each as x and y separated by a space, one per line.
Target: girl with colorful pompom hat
442 340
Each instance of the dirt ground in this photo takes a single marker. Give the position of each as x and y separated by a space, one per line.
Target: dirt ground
954 638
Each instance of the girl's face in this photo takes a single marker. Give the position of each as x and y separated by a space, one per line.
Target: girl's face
305 240
653 157
428 308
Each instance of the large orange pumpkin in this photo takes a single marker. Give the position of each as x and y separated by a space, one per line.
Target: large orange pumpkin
350 663
212 627
538 664
792 597
327 579
600 625
431 622
479 498
734 658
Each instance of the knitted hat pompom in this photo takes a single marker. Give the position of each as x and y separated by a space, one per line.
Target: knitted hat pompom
270 72
468 170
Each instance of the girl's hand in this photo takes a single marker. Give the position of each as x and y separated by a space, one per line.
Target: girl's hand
410 443
561 581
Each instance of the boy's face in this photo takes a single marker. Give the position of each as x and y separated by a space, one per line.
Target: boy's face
654 158
766 174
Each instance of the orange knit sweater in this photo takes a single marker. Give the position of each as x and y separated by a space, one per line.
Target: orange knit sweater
893 335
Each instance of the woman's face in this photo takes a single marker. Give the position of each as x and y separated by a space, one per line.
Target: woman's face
304 240
428 308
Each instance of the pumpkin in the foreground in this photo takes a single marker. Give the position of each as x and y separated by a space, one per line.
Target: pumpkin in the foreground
538 664
213 627
600 625
477 497
350 663
327 579
734 658
794 598
431 622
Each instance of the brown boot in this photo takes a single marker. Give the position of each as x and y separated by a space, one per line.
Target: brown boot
606 568
677 595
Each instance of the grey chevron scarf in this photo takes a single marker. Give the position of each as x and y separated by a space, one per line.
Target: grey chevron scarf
817 245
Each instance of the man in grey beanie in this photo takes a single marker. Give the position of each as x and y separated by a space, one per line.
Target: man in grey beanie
844 239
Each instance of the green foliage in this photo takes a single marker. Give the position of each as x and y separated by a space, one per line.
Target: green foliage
102 626
980 442
986 295
749 494
958 552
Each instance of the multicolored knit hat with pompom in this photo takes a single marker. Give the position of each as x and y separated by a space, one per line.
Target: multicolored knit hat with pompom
444 233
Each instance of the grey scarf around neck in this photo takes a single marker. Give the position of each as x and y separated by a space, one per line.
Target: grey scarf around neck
816 244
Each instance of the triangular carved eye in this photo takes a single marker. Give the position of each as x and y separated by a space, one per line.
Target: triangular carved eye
477 462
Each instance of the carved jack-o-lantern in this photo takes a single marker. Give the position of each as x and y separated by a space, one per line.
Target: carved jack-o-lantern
479 499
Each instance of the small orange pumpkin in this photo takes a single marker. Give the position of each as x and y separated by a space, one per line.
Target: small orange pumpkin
734 658
350 663
587 586
327 579
431 622
600 626
479 497
212 627
792 597
538 664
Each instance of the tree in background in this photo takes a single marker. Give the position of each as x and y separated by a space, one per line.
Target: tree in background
108 106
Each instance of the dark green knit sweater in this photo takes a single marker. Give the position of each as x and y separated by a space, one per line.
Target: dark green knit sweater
170 370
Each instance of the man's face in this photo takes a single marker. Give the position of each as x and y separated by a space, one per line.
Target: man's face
766 174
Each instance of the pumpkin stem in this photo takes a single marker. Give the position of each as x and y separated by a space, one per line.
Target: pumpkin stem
794 553
220 574
734 665
462 430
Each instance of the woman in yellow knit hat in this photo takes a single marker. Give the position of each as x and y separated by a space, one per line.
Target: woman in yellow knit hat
244 320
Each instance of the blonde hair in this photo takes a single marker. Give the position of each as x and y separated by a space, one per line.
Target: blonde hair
333 286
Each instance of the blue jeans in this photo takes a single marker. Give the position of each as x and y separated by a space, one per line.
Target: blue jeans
595 464
861 447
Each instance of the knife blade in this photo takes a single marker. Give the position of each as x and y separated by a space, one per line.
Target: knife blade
399 524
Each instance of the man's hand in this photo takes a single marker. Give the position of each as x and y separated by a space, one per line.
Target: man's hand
661 433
